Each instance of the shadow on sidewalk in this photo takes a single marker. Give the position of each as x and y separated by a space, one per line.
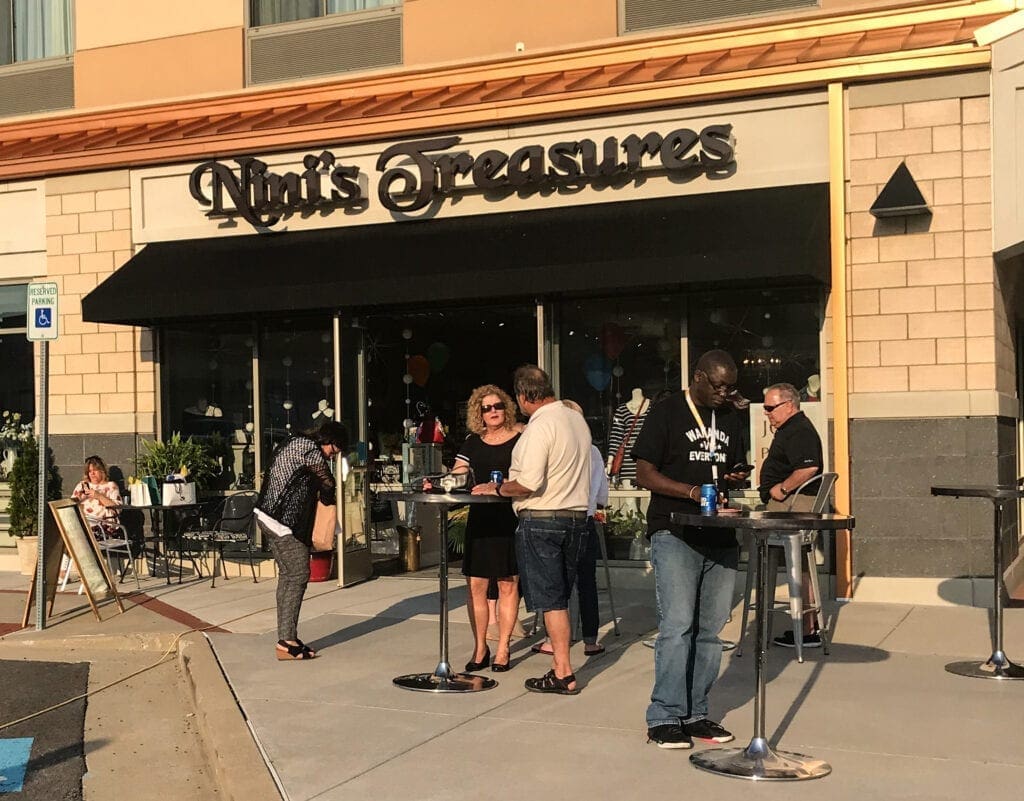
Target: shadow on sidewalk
737 681
424 604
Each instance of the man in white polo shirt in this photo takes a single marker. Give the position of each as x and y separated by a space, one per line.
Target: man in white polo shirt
549 481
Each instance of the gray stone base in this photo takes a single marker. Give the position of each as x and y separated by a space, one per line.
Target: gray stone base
117 450
902 530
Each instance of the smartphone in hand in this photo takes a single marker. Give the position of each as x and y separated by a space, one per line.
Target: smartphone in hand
740 467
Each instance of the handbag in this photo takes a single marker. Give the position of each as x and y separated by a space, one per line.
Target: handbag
325 527
178 493
620 454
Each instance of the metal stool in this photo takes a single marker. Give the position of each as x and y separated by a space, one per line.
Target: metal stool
795 547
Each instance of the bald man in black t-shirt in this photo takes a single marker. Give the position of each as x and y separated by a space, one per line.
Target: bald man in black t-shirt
793 458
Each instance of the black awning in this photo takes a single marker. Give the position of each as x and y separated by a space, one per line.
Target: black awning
778 235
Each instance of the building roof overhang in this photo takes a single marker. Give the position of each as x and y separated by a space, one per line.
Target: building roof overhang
627 75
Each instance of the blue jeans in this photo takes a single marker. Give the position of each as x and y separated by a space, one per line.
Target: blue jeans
548 554
694 594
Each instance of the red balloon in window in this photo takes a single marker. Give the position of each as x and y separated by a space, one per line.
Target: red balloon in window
613 340
419 369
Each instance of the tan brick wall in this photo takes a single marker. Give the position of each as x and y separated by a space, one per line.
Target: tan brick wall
922 293
102 376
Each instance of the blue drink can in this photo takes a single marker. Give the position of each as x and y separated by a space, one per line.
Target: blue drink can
708 499
497 477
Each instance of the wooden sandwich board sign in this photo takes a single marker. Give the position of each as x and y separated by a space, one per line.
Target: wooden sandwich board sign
76 538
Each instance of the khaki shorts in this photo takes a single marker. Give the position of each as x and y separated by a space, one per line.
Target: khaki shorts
799 503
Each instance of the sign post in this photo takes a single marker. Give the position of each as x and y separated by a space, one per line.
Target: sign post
41 315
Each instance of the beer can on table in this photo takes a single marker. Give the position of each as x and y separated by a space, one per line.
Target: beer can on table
497 477
708 499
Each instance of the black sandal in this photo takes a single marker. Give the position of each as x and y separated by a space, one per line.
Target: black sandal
292 652
550 683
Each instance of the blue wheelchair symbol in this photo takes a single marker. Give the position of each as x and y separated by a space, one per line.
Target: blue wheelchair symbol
44 318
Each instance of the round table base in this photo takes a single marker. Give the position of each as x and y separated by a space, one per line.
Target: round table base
758 762
997 667
432 683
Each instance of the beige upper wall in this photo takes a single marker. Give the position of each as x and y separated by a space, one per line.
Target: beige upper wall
435 31
105 23
179 66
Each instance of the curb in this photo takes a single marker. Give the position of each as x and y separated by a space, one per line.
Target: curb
99 642
231 752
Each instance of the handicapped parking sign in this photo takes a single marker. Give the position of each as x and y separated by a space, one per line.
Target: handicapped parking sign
41 311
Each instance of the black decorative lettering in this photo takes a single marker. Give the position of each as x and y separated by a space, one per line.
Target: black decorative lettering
420 184
487 169
675 148
562 156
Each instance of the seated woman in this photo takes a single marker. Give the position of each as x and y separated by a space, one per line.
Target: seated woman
99 497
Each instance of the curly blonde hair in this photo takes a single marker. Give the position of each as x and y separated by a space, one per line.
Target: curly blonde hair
475 417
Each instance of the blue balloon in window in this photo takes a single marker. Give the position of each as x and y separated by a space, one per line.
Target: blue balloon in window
598 371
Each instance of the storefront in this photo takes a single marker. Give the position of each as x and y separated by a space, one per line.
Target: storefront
371 250
610 250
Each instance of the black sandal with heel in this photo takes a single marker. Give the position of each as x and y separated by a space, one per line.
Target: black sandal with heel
287 652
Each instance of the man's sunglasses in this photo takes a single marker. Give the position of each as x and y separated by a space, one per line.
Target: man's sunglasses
496 407
772 407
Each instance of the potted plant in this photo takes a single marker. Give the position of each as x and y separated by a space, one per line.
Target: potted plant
24 506
161 459
622 529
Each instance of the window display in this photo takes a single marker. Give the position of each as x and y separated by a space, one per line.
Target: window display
206 378
16 355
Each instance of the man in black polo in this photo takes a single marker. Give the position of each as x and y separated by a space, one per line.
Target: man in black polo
793 458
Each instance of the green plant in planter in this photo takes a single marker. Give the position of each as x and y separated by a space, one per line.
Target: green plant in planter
160 459
457 531
629 523
24 506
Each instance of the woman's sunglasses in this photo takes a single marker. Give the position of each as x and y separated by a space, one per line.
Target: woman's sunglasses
495 407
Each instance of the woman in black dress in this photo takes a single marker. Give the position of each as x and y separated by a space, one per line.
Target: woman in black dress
490 529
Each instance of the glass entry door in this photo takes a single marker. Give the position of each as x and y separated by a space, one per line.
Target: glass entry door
354 563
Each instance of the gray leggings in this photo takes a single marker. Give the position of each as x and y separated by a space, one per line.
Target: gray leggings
292 559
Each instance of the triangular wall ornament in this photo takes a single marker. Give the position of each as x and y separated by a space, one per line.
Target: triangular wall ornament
900 197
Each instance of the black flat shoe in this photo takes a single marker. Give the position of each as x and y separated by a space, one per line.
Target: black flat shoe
500 667
483 663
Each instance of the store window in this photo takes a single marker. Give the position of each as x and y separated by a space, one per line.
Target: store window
296 363
206 377
17 392
34 29
772 334
422 367
270 12
612 350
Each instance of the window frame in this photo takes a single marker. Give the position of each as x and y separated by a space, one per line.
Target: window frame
16 63
322 15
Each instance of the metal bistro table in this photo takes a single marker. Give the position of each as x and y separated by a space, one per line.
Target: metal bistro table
998 666
162 535
758 761
444 679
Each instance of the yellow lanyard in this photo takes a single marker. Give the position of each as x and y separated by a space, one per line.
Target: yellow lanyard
710 437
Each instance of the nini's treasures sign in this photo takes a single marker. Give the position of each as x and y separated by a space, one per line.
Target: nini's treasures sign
415 174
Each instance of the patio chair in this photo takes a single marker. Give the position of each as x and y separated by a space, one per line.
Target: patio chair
233 524
796 547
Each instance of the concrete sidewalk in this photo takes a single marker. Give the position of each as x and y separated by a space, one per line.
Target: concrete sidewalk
880 709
